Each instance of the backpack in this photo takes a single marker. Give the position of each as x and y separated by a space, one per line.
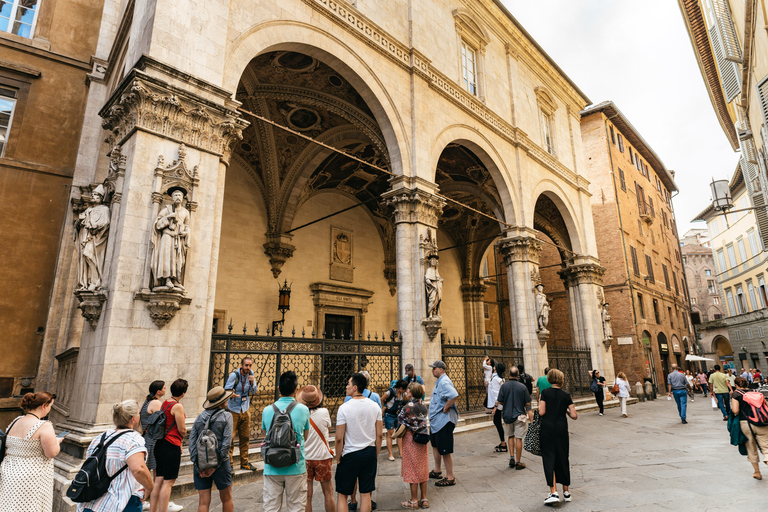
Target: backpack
92 481
207 447
3 436
281 448
156 424
756 401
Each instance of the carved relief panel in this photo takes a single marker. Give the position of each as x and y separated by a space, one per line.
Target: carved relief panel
342 268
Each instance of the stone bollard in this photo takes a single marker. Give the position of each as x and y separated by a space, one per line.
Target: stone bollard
649 391
639 392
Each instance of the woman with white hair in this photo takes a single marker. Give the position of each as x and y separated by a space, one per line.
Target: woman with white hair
129 487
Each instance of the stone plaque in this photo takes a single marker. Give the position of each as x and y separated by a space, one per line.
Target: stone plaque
624 340
341 255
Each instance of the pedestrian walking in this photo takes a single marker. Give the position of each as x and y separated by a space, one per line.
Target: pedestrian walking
242 383
753 423
526 379
358 442
516 413
493 397
691 385
542 383
746 375
129 487
624 390
410 375
26 474
597 386
554 405
414 462
489 370
286 483
318 454
168 449
443 416
677 388
217 422
703 383
393 402
721 390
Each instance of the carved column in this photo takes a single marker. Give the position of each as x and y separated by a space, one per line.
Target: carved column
171 139
583 280
415 213
473 295
521 256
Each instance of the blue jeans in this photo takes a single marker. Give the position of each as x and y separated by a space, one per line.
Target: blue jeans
681 399
134 505
723 403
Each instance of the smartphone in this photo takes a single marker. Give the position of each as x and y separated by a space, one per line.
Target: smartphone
62 434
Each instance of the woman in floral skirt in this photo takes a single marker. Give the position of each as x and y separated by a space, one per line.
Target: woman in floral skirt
415 456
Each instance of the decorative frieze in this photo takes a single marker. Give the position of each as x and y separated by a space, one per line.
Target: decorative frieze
519 249
146 103
585 273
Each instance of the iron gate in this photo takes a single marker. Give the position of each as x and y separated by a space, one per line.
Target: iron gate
325 363
464 362
576 365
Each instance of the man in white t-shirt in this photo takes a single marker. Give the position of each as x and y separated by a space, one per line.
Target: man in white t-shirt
358 441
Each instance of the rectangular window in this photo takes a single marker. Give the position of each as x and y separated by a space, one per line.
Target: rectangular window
18 17
623 182
640 227
760 330
731 257
711 287
762 292
721 261
7 105
613 136
741 302
650 205
671 318
674 280
742 250
707 272
631 156
621 142
693 301
640 306
640 199
635 264
752 295
713 228
749 333
666 276
716 301
486 311
725 45
546 132
468 69
656 311
737 335
731 303
649 268
752 242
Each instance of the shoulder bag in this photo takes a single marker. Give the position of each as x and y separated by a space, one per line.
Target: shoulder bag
314 426
532 440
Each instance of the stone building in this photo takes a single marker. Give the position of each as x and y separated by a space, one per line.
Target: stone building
45 69
703 287
696 237
644 282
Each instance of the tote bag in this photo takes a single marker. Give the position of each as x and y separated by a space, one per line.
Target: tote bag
532 440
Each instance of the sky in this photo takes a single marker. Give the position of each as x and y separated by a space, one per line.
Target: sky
637 53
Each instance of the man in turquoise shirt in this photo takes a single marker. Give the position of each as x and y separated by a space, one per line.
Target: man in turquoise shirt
291 480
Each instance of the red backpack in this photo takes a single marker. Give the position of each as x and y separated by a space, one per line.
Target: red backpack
759 413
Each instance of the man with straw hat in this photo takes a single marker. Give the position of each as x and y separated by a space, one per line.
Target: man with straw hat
215 419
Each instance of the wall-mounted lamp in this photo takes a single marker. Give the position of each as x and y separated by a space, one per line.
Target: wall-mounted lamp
284 300
721 195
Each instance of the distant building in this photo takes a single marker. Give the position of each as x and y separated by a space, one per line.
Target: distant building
637 238
695 237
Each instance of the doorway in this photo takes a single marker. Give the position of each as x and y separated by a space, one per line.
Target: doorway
338 368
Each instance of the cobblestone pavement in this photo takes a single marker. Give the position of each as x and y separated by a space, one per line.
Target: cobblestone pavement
649 461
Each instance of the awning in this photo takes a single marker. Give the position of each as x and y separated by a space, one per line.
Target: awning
691 357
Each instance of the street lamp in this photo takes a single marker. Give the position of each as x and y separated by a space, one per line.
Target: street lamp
721 195
284 301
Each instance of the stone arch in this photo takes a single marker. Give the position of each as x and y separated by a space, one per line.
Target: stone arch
568 234
303 38
721 347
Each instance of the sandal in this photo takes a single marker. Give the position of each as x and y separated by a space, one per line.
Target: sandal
435 474
502 448
424 503
410 504
445 482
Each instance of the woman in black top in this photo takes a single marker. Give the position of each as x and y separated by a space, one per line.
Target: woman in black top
598 381
554 405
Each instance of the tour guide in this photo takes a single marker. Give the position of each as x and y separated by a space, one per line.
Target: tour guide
443 416
243 383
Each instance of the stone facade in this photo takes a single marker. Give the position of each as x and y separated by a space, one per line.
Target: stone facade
632 211
700 271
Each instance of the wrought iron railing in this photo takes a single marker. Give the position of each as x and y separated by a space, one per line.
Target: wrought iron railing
326 363
464 362
576 365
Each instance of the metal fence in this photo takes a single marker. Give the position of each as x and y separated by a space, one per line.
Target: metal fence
464 362
575 365
325 363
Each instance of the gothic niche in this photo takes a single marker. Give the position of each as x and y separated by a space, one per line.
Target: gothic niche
433 286
163 288
92 220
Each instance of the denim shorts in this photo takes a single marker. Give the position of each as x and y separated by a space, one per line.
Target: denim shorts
390 421
222 477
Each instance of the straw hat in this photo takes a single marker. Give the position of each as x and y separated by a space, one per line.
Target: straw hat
311 396
216 396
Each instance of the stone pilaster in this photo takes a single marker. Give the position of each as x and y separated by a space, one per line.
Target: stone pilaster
473 295
415 211
521 252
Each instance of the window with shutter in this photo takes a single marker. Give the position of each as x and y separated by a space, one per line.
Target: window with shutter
666 276
613 136
623 182
650 204
635 264
674 280
640 305
722 36
762 92
649 268
621 142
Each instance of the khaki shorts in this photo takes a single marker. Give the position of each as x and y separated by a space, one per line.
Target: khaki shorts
516 429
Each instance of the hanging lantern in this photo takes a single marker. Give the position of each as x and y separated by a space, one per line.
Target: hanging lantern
284 300
721 195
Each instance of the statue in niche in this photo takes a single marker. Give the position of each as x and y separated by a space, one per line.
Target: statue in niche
607 329
171 242
91 231
434 285
542 309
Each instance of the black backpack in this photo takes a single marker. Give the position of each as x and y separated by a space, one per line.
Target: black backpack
281 448
156 424
92 481
3 436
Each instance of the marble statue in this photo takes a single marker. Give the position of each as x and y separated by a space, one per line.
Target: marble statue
434 285
91 231
607 329
542 308
171 242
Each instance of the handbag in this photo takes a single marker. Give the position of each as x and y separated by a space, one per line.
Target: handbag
422 437
532 440
615 389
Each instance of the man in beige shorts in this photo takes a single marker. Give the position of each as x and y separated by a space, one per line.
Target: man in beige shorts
516 413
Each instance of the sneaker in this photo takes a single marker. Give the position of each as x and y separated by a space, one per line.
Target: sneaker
146 505
172 507
552 498
566 496
685 422
353 506
600 414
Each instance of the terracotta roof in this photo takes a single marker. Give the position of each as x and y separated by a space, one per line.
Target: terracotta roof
612 112
697 30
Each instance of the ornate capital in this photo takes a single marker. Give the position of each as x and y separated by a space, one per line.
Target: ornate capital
473 291
279 251
91 303
415 206
586 273
149 104
521 248
163 306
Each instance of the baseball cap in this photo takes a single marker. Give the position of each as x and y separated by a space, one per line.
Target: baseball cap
438 364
